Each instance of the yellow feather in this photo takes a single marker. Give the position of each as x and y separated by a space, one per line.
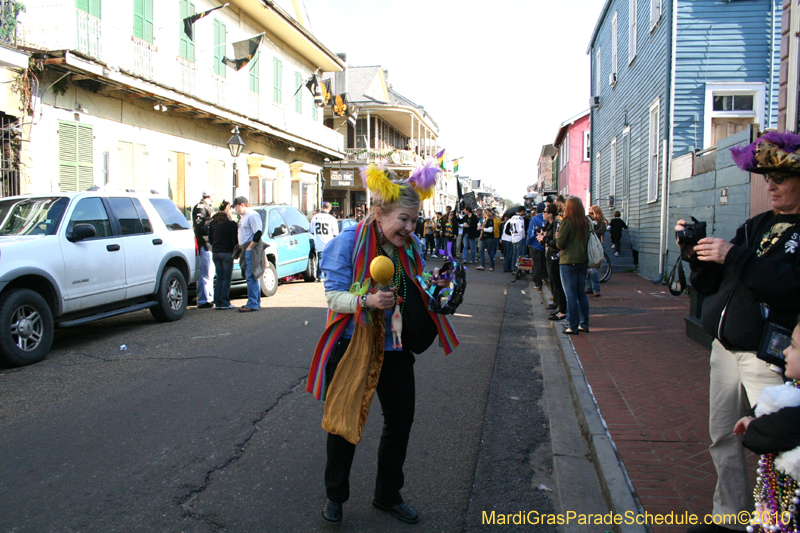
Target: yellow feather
425 193
381 186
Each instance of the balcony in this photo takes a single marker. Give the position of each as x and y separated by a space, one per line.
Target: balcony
101 41
404 158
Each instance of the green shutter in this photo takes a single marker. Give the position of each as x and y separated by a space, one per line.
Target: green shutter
138 18
255 84
148 21
314 115
277 75
89 6
298 96
186 45
220 39
75 156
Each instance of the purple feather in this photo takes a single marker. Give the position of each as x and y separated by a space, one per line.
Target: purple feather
363 172
745 157
424 177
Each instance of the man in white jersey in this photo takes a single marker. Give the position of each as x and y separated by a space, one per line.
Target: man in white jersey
324 228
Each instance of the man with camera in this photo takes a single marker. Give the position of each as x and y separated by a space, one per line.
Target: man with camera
750 283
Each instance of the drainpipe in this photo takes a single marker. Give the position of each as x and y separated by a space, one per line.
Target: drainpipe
667 163
771 66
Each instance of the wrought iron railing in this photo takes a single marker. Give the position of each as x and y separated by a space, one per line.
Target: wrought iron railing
9 11
391 156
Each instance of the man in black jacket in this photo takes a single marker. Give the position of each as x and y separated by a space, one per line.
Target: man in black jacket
753 279
472 234
201 219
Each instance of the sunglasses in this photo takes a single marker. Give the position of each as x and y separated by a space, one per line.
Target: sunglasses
777 179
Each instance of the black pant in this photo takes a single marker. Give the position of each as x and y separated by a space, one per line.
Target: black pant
537 260
559 298
396 393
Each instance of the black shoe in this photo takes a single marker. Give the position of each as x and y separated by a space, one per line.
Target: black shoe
207 305
551 307
710 528
583 330
537 288
401 511
332 512
568 331
555 317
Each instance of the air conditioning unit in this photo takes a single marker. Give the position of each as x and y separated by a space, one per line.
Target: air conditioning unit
594 101
611 201
612 78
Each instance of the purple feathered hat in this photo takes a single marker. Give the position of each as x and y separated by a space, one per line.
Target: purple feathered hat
775 152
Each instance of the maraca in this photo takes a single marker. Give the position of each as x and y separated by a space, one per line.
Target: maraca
381 269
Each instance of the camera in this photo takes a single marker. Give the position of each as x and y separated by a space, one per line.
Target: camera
690 235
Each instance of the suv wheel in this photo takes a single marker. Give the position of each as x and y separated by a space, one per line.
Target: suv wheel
172 296
26 327
310 273
269 280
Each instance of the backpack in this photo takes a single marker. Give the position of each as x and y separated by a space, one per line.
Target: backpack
594 249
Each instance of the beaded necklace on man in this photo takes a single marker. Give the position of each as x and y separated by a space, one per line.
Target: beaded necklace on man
777 496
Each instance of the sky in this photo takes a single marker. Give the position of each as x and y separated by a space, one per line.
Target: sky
498 77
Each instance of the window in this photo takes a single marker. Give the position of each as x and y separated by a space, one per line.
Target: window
731 108
255 82
91 211
587 145
297 221
614 50
298 97
91 7
597 73
655 13
612 178
275 221
186 45
129 217
32 216
633 13
220 40
314 111
277 77
652 163
170 214
143 20
75 156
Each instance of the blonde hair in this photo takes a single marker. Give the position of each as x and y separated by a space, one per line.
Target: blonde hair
409 198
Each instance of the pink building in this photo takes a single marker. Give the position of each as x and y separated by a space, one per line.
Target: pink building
571 169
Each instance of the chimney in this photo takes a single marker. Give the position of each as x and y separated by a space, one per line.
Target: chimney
386 75
342 56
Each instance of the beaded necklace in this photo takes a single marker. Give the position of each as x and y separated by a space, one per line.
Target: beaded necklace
398 281
777 496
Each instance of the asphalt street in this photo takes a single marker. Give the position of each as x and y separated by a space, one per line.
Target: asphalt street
204 424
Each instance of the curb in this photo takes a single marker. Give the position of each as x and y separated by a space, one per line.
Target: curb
615 485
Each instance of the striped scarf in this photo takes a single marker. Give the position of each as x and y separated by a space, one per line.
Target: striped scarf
364 251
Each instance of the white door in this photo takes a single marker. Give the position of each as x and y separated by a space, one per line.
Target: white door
143 248
95 268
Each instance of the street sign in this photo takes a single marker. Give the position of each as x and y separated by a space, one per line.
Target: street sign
342 178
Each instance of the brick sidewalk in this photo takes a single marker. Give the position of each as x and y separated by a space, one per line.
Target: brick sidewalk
651 384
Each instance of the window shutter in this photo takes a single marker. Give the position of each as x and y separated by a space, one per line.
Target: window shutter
298 97
183 41
220 39
254 74
138 18
139 166
189 42
83 5
148 21
85 157
94 8
277 74
67 156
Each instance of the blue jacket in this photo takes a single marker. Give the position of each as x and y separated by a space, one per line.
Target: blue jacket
536 223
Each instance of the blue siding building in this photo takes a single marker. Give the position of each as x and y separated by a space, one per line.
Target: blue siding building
670 77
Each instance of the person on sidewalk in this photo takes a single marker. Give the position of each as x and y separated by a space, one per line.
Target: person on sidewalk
552 256
615 229
471 234
358 326
429 243
749 281
487 242
774 433
536 247
201 220
600 224
250 230
223 236
518 241
324 228
505 243
572 240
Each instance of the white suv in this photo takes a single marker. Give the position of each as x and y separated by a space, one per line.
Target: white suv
71 258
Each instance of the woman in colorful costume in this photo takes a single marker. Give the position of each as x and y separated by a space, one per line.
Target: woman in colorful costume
356 355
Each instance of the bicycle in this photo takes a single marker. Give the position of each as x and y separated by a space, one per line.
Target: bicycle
604 270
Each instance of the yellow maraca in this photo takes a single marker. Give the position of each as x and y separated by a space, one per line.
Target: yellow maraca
381 269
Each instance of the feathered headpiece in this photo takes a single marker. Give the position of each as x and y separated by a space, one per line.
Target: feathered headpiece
423 180
775 151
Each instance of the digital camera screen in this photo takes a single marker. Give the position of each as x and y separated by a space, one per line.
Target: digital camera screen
778 342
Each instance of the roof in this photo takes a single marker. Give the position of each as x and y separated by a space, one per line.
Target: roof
548 150
566 124
600 20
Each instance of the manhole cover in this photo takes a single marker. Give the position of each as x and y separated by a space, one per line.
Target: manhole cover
610 310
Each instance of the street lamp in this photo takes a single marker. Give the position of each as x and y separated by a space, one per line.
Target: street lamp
235 145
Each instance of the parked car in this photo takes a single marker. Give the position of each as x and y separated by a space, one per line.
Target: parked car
73 258
289 248
346 223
